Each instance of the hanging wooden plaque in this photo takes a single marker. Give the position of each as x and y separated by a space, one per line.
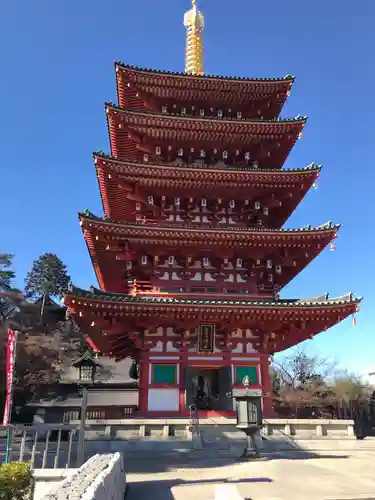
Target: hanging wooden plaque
206 338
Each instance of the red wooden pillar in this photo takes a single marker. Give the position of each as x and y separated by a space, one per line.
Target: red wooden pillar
181 386
143 385
183 365
267 388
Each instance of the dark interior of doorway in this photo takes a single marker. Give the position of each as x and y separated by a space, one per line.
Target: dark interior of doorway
209 388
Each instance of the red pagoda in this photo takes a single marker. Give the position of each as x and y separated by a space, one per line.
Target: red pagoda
190 255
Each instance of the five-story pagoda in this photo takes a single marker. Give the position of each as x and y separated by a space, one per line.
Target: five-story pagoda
190 255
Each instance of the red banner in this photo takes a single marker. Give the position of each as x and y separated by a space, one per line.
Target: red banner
10 360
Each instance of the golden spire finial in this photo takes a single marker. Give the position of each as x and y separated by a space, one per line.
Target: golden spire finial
194 24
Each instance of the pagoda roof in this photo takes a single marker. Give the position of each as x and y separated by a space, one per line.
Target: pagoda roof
203 78
111 242
226 172
96 294
285 322
128 126
139 86
225 233
267 125
218 181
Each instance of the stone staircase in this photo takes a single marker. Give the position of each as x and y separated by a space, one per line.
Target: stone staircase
227 437
277 443
221 437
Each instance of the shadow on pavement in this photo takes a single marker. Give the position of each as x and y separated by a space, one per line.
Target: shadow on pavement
163 463
163 489
207 459
220 449
301 455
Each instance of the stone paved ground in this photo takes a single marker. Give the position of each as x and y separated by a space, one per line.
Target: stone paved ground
329 476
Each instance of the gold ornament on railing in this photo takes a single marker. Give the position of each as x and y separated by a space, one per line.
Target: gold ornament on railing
133 289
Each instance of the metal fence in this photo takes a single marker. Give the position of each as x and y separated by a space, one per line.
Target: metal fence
92 413
56 446
45 446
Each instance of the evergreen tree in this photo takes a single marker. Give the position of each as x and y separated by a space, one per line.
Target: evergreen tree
46 341
6 274
7 308
48 277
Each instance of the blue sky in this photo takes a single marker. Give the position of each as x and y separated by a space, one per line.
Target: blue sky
57 72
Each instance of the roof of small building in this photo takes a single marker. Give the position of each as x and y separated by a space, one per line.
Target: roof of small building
87 357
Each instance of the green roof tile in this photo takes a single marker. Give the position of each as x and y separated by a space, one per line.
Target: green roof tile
324 300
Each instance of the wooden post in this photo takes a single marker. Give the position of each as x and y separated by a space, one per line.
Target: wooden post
266 387
143 384
81 438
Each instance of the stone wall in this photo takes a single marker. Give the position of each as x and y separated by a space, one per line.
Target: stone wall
102 477
309 428
42 446
47 479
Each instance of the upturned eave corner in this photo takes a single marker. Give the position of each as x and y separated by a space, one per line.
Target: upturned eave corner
102 154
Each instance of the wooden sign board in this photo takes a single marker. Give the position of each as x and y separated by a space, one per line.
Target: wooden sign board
206 338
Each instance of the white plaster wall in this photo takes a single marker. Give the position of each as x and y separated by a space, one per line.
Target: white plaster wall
238 349
158 347
163 399
250 348
163 358
170 347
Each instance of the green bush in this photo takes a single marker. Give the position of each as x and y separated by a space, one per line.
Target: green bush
16 482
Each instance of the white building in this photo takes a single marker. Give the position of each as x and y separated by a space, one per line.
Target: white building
371 377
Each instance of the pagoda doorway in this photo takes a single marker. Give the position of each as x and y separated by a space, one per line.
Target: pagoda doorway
208 388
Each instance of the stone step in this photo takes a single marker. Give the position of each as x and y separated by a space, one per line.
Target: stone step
221 437
270 445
